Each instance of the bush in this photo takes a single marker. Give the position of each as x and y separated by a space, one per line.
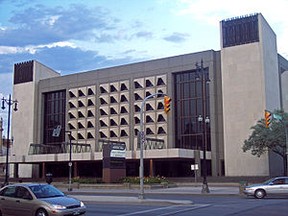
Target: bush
147 180
86 180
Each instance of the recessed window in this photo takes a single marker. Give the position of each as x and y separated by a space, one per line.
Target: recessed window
123 121
149 83
90 102
90 113
149 131
149 107
102 123
148 93
71 105
71 94
112 88
123 99
90 124
160 82
112 111
136 131
80 114
160 106
161 131
90 136
102 135
90 91
123 110
149 119
160 118
80 136
102 112
113 134
113 100
81 93
137 120
102 101
137 97
80 104
137 85
123 87
112 122
71 116
123 133
103 90
160 94
71 126
137 108
80 125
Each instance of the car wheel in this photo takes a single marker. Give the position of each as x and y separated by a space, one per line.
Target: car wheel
0 213
260 193
41 212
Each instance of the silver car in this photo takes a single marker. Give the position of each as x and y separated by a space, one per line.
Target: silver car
33 199
274 186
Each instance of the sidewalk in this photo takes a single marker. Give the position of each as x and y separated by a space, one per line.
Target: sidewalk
122 195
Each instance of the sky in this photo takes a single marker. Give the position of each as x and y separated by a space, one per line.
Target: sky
72 36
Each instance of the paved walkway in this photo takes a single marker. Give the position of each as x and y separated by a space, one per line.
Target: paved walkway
123 195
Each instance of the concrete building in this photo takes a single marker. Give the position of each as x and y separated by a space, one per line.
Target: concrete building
216 97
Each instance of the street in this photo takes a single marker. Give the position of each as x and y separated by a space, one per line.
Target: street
202 205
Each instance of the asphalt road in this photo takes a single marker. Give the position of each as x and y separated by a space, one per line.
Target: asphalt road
222 205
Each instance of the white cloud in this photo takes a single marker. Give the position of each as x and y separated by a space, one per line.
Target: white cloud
9 50
51 20
33 49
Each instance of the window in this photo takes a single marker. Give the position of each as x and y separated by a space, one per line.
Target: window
8 192
90 91
189 100
23 193
54 115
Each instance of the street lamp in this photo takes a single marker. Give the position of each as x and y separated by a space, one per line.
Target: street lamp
204 80
142 142
70 160
9 102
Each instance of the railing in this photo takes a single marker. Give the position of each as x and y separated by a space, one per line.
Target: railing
59 148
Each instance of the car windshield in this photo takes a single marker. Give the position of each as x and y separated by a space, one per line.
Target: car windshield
45 191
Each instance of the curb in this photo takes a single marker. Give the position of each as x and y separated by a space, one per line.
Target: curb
125 199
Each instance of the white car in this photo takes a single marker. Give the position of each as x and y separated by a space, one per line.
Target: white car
274 186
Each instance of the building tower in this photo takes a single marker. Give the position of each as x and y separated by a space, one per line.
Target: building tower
250 82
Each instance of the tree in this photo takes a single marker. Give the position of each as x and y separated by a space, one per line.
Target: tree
273 138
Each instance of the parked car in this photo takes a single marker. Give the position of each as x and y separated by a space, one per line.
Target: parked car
274 186
34 199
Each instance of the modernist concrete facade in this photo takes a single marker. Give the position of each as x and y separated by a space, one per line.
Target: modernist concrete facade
104 105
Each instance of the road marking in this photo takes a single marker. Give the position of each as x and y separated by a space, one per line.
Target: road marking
185 210
195 206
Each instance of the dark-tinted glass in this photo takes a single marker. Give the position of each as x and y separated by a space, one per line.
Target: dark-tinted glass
54 115
190 87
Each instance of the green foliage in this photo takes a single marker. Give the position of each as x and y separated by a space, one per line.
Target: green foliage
273 138
86 180
147 180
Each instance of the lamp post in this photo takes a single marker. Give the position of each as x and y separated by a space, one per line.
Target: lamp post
70 161
142 142
204 80
9 102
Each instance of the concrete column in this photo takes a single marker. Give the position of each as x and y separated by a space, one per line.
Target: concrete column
151 168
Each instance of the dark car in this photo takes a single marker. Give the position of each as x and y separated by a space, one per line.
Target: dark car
274 186
33 199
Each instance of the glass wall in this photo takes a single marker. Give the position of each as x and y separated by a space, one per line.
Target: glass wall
54 115
190 87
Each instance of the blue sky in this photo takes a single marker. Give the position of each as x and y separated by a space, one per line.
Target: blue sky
70 36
